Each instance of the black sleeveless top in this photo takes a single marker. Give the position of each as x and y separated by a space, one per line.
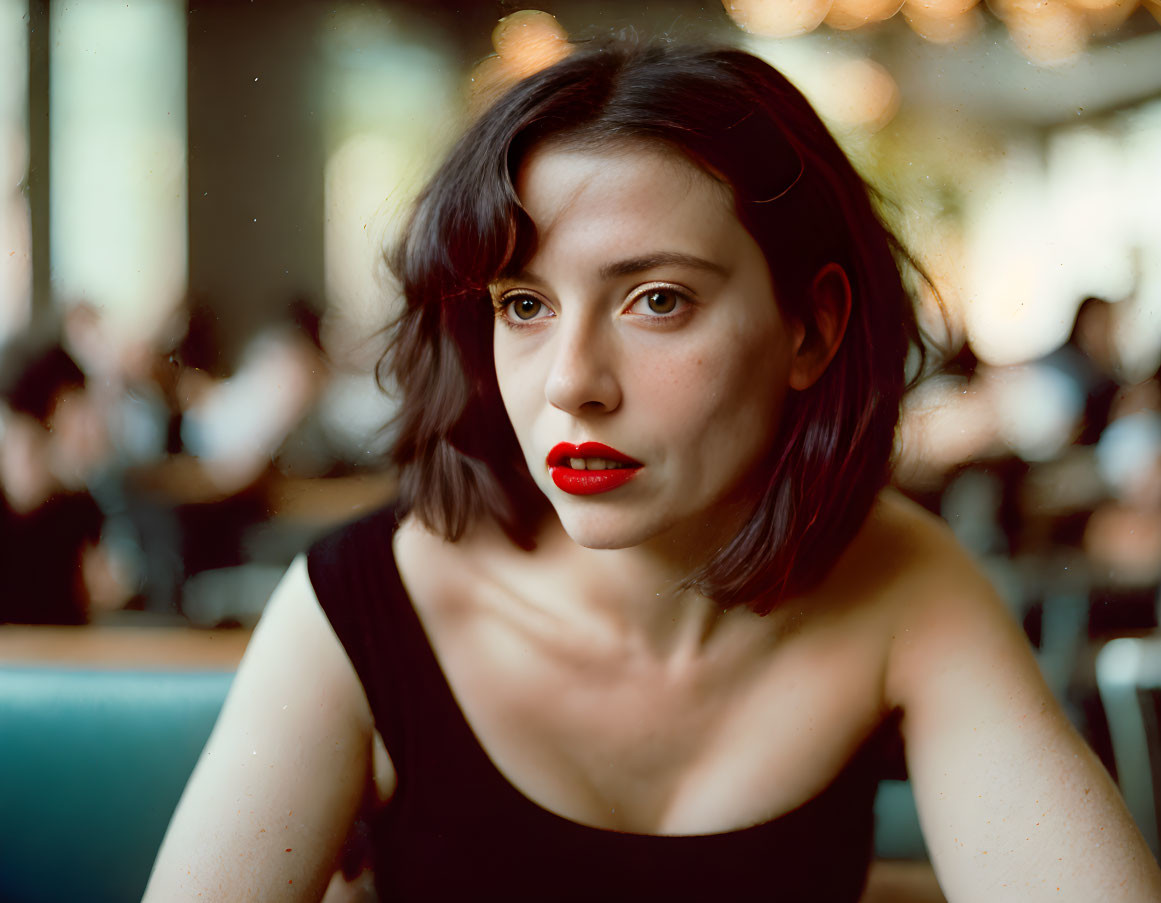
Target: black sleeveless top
456 829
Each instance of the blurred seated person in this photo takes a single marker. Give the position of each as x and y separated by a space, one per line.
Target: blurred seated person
197 505
1122 538
236 425
53 568
1091 360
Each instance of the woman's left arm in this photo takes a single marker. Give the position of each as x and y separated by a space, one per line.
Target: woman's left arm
1013 804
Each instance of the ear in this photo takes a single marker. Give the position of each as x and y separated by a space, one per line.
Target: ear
819 340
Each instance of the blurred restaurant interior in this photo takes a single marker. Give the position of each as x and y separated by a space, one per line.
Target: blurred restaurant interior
194 203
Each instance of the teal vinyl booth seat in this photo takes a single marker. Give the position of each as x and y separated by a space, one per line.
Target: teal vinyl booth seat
92 763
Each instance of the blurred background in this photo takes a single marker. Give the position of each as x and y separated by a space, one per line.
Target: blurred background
194 202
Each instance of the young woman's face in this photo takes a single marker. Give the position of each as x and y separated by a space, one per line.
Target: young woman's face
641 355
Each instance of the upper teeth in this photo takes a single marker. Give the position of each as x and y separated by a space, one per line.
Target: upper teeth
593 464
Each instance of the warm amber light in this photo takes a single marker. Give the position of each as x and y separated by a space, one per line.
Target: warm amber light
530 40
777 18
1096 4
942 29
939 9
526 42
1045 31
863 94
1108 17
848 14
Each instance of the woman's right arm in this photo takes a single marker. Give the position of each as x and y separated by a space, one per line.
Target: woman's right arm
268 806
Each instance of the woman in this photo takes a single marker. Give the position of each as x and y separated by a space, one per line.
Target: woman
645 621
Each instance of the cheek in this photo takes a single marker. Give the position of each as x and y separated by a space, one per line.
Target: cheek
505 367
719 391
519 389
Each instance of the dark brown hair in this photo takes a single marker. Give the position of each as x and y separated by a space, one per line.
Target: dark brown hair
794 191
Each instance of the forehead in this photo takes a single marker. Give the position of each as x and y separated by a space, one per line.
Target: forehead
622 196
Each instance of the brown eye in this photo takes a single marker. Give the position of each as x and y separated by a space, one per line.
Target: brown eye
524 307
661 302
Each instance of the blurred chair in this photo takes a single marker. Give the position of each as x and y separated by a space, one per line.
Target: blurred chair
92 763
1128 673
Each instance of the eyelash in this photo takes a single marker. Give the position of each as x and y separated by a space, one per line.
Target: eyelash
683 297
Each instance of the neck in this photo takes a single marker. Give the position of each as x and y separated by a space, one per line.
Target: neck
635 597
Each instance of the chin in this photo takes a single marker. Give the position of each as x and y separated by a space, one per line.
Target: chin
605 529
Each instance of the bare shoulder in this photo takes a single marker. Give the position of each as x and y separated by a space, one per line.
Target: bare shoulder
909 544
939 601
905 564
1013 804
275 790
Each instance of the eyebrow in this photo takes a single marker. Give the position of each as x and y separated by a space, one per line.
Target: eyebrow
633 265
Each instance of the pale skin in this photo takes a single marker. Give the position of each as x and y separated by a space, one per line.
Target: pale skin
597 687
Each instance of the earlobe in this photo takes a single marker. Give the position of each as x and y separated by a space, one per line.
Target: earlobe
818 340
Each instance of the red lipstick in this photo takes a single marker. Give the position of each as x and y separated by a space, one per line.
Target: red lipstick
576 481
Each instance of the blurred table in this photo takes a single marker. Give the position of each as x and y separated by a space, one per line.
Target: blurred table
176 648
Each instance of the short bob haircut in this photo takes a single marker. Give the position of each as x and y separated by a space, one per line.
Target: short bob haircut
793 190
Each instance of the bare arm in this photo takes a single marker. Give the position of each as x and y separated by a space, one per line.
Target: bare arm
274 793
1013 804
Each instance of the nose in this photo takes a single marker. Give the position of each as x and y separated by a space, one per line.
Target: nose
583 377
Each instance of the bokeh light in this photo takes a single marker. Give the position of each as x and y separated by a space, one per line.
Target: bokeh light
15 221
1097 4
940 9
525 42
1046 31
118 206
942 29
862 93
777 18
1110 16
530 40
1036 408
848 14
